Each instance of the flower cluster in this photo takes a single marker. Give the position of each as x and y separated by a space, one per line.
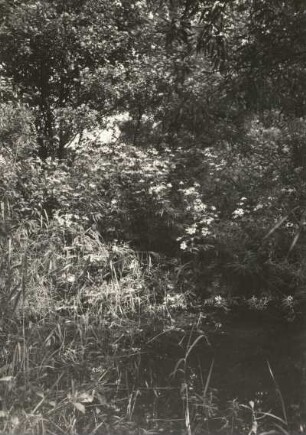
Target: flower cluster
202 218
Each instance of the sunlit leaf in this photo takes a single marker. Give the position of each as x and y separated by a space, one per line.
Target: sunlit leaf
7 379
80 407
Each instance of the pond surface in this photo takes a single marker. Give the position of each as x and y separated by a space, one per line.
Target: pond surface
246 373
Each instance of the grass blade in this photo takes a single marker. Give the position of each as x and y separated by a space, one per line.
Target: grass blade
193 345
208 378
279 393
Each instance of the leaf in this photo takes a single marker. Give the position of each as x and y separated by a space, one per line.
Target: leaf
15 421
294 241
102 399
278 392
277 225
281 429
7 379
79 407
193 345
268 414
296 237
208 378
85 398
177 365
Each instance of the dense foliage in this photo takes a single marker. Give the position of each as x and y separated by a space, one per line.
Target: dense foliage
210 164
159 146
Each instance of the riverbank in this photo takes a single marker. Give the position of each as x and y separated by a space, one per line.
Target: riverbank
164 370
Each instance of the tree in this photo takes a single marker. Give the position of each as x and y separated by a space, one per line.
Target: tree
212 158
54 50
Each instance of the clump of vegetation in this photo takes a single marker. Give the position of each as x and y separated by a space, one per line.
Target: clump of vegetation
70 303
152 191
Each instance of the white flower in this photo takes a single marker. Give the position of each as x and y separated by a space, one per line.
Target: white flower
191 230
71 278
205 232
238 212
190 191
157 189
218 300
199 207
183 246
207 220
258 207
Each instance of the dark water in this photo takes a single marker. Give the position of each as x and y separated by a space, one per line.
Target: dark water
211 374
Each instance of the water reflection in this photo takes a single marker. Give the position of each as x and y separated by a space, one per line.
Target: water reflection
195 379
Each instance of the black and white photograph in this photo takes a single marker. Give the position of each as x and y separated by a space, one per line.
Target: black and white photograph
152 217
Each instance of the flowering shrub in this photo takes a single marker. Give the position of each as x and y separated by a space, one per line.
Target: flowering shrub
202 218
243 216
234 212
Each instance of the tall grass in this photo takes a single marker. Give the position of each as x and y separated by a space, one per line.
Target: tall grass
76 313
69 303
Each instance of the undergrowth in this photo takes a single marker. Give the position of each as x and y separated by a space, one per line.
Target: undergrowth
77 317
70 303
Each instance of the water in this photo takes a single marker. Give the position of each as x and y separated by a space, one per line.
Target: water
221 377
